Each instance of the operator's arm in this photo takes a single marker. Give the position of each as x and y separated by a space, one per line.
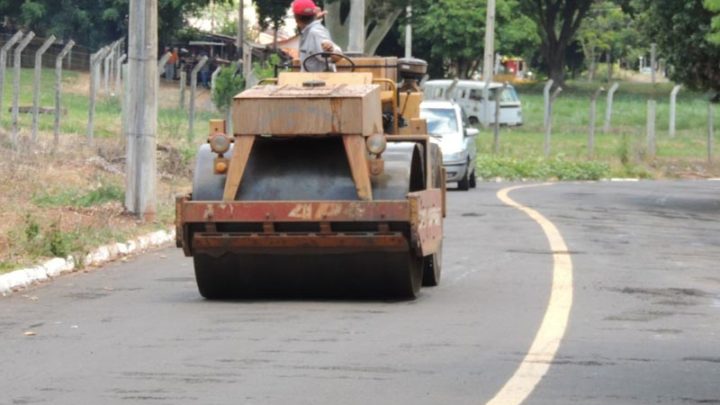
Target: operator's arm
322 41
329 46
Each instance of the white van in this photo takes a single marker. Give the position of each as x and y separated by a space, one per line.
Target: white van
469 95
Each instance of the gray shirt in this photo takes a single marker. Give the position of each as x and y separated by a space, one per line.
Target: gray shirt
311 39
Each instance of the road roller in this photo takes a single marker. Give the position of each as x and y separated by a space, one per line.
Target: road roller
327 185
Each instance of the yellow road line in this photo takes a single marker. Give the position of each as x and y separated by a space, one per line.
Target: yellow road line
547 341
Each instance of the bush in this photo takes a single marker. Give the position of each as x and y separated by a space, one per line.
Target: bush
489 167
228 83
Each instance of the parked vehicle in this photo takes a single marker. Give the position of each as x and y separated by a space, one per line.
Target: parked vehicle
449 128
469 95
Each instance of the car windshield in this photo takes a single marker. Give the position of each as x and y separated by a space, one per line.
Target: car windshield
440 120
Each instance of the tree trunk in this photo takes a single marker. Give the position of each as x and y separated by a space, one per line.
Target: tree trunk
610 66
338 30
555 61
382 27
593 66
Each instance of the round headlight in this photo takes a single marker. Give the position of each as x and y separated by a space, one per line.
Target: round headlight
220 143
376 144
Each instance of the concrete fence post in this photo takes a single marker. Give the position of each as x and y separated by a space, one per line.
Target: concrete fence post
673 110
193 91
162 62
3 64
546 99
548 127
16 85
118 71
496 127
593 112
609 105
651 118
711 131
183 86
107 67
212 80
58 89
96 60
37 83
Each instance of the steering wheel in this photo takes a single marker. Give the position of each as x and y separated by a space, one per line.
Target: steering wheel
327 56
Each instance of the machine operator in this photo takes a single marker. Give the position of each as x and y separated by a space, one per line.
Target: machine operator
314 37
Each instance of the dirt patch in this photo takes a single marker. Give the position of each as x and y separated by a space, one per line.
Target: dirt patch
70 198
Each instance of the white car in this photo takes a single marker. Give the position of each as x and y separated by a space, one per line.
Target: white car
449 128
469 94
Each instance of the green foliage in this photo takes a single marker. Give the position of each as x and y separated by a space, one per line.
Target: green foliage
508 168
94 22
681 30
271 13
50 242
714 6
228 83
607 30
453 31
72 198
265 70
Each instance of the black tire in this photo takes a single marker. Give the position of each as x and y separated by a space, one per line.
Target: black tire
409 284
396 276
432 269
214 280
473 120
473 180
464 183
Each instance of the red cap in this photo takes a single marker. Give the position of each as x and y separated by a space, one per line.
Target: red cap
304 7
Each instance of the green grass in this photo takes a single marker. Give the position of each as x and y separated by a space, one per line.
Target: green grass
622 150
81 199
172 123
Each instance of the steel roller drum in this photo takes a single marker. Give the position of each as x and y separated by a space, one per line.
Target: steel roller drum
309 169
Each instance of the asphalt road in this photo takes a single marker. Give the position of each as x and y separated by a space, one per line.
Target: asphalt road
644 327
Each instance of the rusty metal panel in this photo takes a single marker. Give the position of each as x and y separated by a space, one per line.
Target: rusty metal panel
426 223
294 211
306 243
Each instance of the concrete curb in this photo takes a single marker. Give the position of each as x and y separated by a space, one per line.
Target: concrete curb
23 278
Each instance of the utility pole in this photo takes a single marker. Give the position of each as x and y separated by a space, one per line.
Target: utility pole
142 112
241 27
356 42
488 60
408 32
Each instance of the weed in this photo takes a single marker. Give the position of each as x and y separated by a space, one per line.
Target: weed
59 244
32 229
73 198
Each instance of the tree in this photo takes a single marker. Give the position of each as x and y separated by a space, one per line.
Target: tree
714 6
450 33
681 30
94 23
557 21
271 13
607 30
380 16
